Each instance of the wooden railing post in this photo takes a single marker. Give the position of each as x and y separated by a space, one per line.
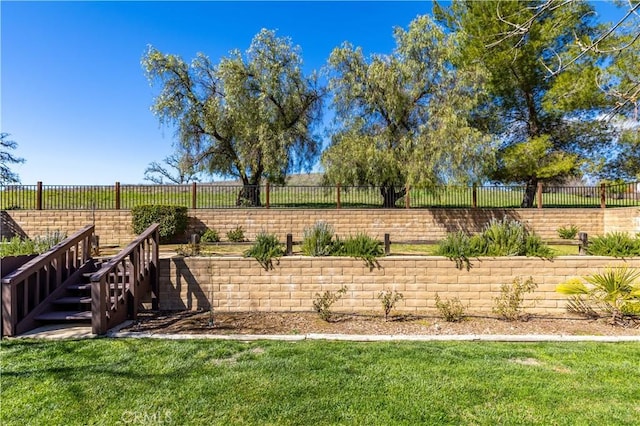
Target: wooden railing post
117 195
408 197
194 197
39 196
268 194
474 196
603 195
289 244
539 195
338 204
387 244
583 243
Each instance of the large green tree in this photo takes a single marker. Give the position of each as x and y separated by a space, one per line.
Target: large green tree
7 159
250 117
401 118
547 121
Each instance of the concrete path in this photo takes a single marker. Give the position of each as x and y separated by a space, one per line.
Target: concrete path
84 332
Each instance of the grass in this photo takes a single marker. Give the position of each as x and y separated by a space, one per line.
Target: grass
201 382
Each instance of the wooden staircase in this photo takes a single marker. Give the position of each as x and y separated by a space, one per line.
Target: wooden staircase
66 285
74 306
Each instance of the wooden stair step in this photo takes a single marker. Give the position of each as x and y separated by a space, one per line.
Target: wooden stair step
65 316
73 300
87 286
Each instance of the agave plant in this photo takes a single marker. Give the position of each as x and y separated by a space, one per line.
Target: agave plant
616 291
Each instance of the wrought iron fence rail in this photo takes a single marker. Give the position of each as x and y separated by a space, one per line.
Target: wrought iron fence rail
219 196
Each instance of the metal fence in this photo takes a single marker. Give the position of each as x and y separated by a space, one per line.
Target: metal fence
219 196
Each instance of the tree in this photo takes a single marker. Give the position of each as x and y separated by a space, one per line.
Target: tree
6 159
401 119
553 117
250 117
179 169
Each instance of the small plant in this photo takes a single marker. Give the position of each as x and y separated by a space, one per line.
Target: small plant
568 232
616 244
188 250
318 240
38 245
236 235
451 310
323 302
210 236
509 304
616 291
362 247
389 300
265 250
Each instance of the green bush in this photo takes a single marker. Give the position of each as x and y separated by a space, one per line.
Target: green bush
616 291
360 246
499 238
318 240
568 232
266 249
172 220
210 236
38 245
616 244
236 235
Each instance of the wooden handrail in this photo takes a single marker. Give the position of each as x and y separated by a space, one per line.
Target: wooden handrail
25 290
118 287
46 257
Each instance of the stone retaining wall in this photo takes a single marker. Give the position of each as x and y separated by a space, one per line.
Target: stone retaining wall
114 226
235 284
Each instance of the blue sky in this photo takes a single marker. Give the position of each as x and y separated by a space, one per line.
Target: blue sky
73 93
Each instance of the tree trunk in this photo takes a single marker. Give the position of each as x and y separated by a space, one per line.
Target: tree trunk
529 193
390 196
249 196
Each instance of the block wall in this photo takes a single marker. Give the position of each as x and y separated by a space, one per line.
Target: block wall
236 284
114 226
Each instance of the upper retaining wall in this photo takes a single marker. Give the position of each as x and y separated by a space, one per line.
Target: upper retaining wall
236 284
114 226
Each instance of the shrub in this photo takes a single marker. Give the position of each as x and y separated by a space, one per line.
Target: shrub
509 304
451 310
172 220
568 232
616 291
504 238
265 250
323 302
318 240
389 300
38 245
210 236
236 235
457 247
499 238
360 246
616 244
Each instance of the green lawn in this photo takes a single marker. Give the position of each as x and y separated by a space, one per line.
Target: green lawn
109 382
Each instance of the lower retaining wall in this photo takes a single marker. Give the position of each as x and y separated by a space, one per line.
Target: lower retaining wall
235 284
